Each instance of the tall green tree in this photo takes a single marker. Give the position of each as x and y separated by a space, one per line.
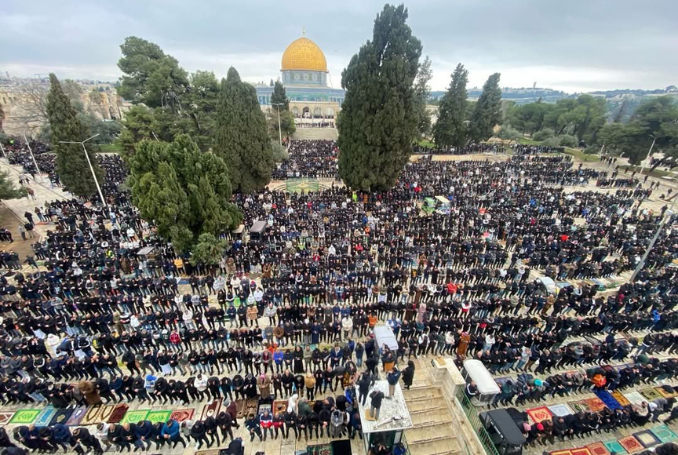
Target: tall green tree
150 76
280 104
184 191
654 120
241 137
529 118
7 188
422 92
279 97
451 127
71 161
582 117
378 120
138 125
487 112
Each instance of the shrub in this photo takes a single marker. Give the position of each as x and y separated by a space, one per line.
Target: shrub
543 134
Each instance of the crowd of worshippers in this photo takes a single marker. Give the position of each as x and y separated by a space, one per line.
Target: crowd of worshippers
470 149
309 159
535 149
130 436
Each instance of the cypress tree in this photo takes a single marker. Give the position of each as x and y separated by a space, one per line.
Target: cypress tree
241 136
450 129
487 112
279 97
71 162
378 120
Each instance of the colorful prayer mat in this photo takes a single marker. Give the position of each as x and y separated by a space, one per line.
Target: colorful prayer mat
598 448
650 393
621 399
647 438
135 416
77 416
581 451
635 397
607 399
5 417
207 452
595 404
664 433
631 444
321 449
613 446
578 406
91 416
118 413
211 409
158 416
539 414
182 414
24 416
240 408
560 410
61 416
45 417
665 393
561 452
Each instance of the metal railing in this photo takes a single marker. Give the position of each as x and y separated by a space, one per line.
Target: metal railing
473 418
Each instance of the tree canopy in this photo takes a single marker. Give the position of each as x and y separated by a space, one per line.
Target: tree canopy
379 120
487 112
422 92
451 128
241 136
7 188
72 165
654 120
279 97
185 192
280 104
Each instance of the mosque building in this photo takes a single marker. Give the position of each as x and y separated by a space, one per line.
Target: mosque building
305 78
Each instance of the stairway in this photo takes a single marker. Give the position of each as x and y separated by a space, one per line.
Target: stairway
434 431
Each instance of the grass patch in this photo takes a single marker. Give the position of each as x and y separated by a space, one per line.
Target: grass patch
580 155
427 143
110 148
528 141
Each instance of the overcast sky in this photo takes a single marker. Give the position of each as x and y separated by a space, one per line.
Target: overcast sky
574 45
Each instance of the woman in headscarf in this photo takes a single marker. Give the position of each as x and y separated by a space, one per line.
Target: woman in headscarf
408 374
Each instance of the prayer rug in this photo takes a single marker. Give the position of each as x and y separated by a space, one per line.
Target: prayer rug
631 444
211 409
650 393
181 415
665 393
578 406
24 416
635 397
539 414
5 417
598 448
92 416
664 433
561 452
207 452
240 408
45 417
613 446
265 407
117 413
280 406
581 451
77 416
621 399
135 416
595 404
159 416
647 438
321 449
607 399
560 410
61 416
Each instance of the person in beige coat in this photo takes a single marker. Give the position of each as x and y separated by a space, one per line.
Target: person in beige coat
264 383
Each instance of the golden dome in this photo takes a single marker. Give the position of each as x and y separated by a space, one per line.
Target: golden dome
304 55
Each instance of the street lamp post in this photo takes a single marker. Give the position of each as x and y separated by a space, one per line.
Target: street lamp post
96 181
37 169
641 264
649 154
277 105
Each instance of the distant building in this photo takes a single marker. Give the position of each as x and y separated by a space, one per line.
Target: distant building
304 75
